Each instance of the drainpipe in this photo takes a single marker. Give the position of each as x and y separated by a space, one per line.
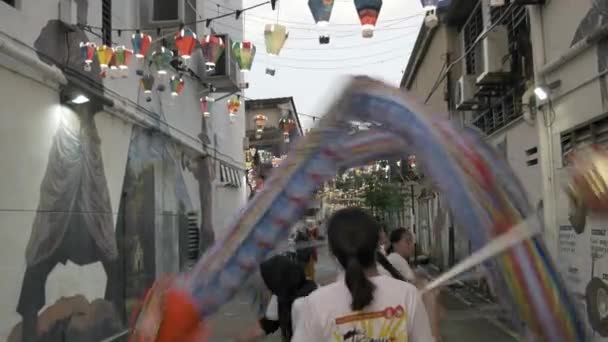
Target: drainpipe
545 131
576 49
48 72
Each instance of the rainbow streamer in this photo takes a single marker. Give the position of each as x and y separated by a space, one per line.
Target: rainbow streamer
483 193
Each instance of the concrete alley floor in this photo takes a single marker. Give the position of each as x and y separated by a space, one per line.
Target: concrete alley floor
465 319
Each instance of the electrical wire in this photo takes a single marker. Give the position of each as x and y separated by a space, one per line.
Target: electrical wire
297 67
339 59
443 76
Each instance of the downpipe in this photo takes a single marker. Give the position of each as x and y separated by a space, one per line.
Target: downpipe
49 72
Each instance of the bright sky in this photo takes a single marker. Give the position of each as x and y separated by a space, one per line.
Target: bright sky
313 73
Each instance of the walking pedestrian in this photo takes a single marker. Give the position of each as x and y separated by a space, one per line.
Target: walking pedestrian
362 303
401 247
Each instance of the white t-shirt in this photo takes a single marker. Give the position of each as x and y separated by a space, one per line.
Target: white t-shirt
396 314
401 265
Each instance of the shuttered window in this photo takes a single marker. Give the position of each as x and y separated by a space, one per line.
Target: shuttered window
230 176
594 132
193 239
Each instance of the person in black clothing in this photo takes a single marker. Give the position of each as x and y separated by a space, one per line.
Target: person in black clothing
285 279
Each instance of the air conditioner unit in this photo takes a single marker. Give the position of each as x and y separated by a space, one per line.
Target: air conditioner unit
465 93
494 62
164 13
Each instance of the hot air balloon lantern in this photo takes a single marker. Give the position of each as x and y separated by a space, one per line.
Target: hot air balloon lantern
287 125
88 53
368 11
141 44
147 83
161 59
122 59
244 53
275 36
185 42
205 108
411 162
212 47
260 123
321 11
177 85
104 55
234 104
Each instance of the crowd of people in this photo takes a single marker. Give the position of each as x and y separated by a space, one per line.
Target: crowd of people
374 298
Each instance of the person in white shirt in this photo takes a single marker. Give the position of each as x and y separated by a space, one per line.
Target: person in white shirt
401 247
362 305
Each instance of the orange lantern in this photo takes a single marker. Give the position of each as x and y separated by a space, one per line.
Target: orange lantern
287 125
234 104
260 123
185 41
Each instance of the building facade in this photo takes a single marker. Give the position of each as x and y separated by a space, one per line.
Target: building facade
499 56
101 197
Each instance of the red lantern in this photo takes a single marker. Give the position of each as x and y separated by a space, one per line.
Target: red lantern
287 125
185 41
411 161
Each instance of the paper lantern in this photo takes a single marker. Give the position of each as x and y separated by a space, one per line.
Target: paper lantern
177 85
162 59
141 44
88 52
233 107
275 36
244 52
123 57
104 55
287 125
205 108
260 122
321 10
147 83
411 161
212 47
185 41
368 11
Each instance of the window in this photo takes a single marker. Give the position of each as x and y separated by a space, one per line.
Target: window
594 132
164 10
193 238
106 21
11 2
230 176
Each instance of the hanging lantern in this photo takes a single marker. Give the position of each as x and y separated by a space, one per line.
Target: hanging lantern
147 83
177 85
260 123
275 36
141 44
244 52
205 108
212 48
368 11
321 11
88 52
122 57
104 55
162 59
185 41
233 107
287 125
411 161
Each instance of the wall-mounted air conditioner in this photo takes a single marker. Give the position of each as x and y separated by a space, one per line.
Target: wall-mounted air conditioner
465 93
166 13
494 60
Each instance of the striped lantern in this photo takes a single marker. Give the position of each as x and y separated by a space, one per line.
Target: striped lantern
88 52
275 36
185 41
123 57
161 59
244 53
177 85
147 83
104 56
141 44
321 11
212 47
368 11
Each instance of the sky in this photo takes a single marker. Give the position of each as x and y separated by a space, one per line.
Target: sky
313 73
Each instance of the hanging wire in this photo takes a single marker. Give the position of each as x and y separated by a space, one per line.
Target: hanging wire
339 59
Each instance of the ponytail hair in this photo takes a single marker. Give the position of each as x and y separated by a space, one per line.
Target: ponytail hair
353 237
360 287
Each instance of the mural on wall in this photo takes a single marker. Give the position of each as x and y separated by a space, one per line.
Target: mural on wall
75 222
582 239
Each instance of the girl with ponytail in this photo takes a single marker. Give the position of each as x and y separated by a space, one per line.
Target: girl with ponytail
360 303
